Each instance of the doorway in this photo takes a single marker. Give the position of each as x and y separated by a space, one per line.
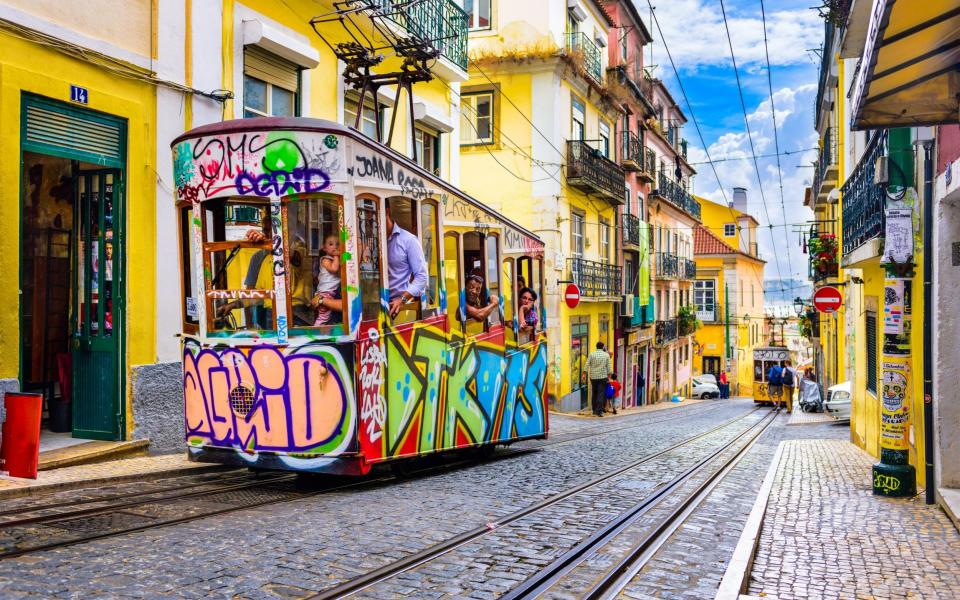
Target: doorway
579 349
711 364
71 274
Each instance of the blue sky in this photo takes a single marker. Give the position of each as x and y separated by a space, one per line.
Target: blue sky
696 37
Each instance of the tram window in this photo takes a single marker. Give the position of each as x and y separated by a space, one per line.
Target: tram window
758 373
473 266
369 238
536 284
451 278
403 213
493 275
238 265
430 228
315 274
191 316
508 300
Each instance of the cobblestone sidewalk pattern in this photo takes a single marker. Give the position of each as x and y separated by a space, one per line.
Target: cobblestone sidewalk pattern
826 536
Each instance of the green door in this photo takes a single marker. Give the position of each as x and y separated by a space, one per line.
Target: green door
97 412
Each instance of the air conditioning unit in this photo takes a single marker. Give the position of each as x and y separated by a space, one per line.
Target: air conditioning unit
626 310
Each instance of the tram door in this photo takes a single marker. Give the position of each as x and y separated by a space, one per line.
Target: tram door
96 304
372 407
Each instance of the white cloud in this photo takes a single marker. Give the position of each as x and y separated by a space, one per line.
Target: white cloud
794 133
790 33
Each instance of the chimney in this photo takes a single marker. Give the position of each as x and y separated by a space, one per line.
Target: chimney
740 199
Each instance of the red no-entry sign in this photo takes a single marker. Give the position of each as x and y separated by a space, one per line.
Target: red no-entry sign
572 295
827 299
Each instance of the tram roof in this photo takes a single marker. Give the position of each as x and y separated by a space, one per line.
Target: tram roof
323 125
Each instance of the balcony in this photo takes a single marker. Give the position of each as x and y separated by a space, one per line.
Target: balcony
631 151
687 269
666 331
672 192
596 279
440 22
667 266
822 248
710 313
648 170
825 178
580 45
594 173
863 201
631 230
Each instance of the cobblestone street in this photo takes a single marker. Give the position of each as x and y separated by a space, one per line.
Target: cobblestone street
299 548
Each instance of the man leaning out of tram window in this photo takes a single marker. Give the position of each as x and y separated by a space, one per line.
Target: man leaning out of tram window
406 265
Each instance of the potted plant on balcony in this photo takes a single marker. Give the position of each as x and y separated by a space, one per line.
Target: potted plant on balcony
823 254
806 325
687 321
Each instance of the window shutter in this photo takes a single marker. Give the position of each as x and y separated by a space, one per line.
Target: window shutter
69 130
872 351
268 67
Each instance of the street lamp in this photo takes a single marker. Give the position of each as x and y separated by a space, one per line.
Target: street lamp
798 305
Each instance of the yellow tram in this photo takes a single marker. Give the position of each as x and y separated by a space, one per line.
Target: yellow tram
326 284
764 358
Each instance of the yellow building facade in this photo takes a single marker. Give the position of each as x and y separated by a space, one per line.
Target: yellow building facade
537 99
728 293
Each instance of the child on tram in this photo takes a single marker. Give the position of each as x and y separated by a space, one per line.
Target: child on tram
326 298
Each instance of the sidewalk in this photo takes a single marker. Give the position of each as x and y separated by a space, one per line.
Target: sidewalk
100 473
586 413
823 534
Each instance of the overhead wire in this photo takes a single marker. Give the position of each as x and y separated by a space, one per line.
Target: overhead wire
753 151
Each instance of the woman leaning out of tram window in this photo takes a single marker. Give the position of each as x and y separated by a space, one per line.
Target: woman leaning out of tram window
528 310
476 311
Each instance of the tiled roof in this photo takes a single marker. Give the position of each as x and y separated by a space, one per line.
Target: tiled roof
707 242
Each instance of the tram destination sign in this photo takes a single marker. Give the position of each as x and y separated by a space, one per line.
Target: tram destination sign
827 299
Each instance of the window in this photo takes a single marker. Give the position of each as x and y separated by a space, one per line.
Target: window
478 14
369 237
191 317
576 234
573 23
624 48
578 119
476 118
871 352
238 272
271 85
429 232
493 274
604 240
313 263
428 149
704 298
507 293
451 278
478 250
729 229
368 119
604 138
630 273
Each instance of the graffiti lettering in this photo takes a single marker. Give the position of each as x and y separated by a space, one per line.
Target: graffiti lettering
279 183
239 294
260 399
886 483
412 186
372 404
375 166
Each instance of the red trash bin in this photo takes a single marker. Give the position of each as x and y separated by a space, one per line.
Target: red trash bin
20 445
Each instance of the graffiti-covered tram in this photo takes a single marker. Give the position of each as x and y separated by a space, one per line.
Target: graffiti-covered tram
276 374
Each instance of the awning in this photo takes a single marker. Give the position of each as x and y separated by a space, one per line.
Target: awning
908 74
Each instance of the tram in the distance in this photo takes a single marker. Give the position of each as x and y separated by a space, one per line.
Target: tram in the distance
314 339
764 358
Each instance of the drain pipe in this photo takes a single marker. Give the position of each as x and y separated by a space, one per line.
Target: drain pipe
931 489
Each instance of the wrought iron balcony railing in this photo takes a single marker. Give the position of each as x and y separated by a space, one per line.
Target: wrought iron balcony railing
595 278
631 151
687 269
592 172
631 230
674 193
825 178
648 170
863 201
668 266
440 22
710 313
665 331
580 43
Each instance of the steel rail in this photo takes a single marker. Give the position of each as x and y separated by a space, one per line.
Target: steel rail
411 561
620 575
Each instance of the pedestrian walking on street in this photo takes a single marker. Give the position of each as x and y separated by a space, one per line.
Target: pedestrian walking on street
613 392
790 380
598 369
724 385
775 383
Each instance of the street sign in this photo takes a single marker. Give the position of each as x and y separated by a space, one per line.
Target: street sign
572 295
827 299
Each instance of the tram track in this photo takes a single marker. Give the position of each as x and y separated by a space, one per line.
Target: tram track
136 511
435 551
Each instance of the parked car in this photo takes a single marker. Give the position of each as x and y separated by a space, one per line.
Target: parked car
705 389
708 377
838 401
